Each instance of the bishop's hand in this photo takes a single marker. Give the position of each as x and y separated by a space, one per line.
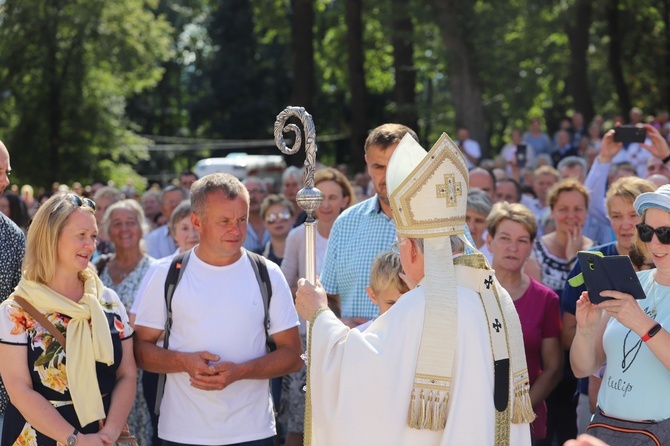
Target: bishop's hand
310 299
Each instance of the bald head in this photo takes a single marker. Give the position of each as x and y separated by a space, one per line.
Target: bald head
484 180
5 168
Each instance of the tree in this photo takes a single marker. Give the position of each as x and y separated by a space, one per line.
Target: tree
358 88
67 67
402 39
455 20
577 28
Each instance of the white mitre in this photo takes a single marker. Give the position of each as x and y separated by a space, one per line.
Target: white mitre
428 196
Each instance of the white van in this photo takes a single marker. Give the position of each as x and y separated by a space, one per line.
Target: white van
243 165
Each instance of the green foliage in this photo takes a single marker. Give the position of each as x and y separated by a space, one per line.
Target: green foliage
80 80
67 67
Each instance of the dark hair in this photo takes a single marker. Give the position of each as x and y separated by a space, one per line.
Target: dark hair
18 212
388 134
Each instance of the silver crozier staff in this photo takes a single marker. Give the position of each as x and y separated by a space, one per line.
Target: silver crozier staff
309 199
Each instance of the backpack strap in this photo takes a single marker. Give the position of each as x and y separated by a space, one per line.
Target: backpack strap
101 263
177 268
263 278
39 317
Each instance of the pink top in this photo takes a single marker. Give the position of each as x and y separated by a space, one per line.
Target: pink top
540 316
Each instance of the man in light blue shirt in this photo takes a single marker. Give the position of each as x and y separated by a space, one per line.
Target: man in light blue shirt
363 231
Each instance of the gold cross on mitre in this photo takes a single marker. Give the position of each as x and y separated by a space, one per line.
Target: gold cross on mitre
450 189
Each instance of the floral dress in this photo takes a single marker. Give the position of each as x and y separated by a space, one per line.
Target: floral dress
46 363
139 419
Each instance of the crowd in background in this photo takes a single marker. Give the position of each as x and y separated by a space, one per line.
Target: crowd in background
531 208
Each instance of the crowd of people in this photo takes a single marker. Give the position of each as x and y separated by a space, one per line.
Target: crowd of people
179 304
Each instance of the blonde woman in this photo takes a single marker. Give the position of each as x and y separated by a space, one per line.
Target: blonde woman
631 336
60 396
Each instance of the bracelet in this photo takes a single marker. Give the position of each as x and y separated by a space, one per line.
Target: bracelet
650 334
318 313
666 159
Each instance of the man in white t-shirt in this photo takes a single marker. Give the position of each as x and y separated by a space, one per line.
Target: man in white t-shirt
217 388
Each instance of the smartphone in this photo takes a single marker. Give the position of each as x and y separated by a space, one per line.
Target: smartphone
609 273
629 133
521 155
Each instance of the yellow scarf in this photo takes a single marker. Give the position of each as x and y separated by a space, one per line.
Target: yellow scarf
88 339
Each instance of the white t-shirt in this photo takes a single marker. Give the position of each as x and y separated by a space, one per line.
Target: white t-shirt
472 148
218 309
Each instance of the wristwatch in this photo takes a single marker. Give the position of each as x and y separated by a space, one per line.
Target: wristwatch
72 439
650 334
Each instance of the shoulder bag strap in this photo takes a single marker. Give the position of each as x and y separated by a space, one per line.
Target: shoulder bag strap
39 317
177 268
263 278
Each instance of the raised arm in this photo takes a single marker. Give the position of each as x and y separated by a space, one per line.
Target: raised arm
586 353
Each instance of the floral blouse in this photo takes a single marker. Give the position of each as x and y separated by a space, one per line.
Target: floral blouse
46 363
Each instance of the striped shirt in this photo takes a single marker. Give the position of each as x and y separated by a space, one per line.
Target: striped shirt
359 234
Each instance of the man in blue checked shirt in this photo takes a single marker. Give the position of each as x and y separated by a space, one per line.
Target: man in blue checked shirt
363 231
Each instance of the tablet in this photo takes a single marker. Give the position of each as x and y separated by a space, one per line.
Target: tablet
609 273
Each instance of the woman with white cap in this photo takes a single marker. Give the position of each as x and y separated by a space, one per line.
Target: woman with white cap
631 335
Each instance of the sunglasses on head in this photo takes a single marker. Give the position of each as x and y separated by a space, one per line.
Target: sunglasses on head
646 233
280 216
78 201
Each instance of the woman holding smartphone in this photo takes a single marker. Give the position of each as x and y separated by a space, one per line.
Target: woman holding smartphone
629 334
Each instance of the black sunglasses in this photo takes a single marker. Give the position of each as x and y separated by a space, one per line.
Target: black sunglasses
646 233
78 201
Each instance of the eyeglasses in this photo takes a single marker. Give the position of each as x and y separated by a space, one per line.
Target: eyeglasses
396 246
646 233
280 216
77 200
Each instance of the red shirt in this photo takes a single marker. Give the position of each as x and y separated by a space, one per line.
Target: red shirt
540 315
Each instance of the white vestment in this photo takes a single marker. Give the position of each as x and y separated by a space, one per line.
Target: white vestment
361 383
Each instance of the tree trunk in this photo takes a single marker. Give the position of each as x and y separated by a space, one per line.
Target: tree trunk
302 33
454 18
616 68
302 36
357 87
402 39
665 86
52 81
577 29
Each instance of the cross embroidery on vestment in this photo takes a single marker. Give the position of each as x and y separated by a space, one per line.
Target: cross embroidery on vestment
450 189
497 325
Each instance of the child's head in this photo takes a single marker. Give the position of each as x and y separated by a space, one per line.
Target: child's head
386 286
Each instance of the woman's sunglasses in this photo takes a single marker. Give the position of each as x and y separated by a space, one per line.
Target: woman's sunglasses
646 233
77 200
280 216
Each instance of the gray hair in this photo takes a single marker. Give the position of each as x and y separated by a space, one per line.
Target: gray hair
224 183
170 188
130 205
109 192
151 193
479 201
570 162
457 245
292 172
260 182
